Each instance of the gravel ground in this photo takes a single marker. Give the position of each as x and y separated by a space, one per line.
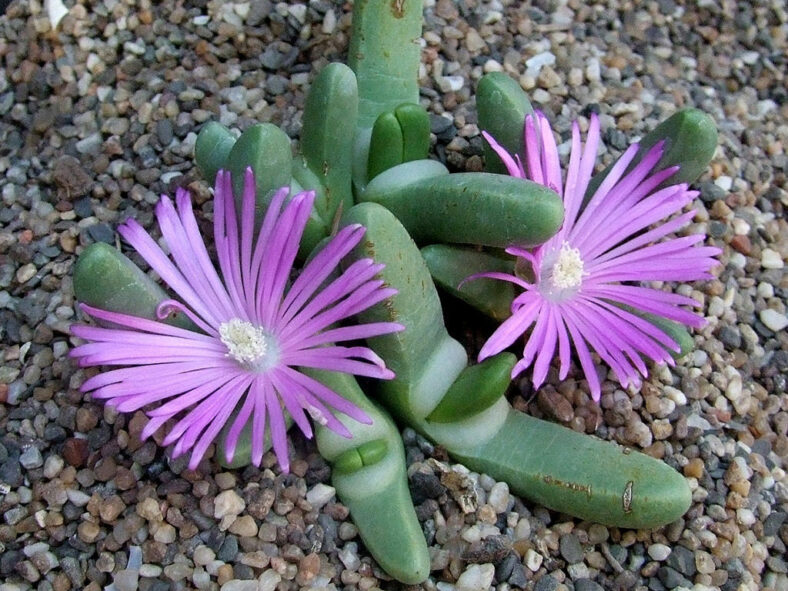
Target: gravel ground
100 117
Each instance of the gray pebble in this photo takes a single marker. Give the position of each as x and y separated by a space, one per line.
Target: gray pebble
31 458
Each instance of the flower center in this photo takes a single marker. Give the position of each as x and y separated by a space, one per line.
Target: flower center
568 268
562 272
248 344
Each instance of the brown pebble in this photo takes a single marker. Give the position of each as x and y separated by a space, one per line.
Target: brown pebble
75 451
125 479
224 573
105 469
694 468
244 526
555 405
742 244
87 418
71 178
111 508
308 568
61 582
88 531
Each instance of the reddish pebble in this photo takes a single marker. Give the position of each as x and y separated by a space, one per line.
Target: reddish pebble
75 451
741 243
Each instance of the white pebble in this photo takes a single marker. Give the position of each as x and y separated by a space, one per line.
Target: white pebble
320 494
536 63
659 552
349 556
472 534
593 70
151 571
126 580
765 290
771 259
239 585
203 555
450 83
268 580
499 497
578 571
77 497
773 320
34 549
737 260
745 517
533 560
227 503
477 577
724 182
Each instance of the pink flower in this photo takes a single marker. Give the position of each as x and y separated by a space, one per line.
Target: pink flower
256 327
585 273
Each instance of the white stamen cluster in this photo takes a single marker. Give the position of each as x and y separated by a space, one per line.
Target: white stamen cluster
568 268
245 342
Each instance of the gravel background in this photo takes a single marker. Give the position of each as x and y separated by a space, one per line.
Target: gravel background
100 117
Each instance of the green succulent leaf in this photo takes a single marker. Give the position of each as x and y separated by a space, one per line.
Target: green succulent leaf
451 265
472 208
415 125
212 148
690 137
502 106
476 389
386 145
329 124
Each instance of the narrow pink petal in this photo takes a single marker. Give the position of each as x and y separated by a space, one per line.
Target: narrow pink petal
536 340
649 211
231 441
290 395
551 165
152 426
291 231
350 333
327 395
589 370
564 348
510 163
314 359
360 299
500 276
225 229
353 278
248 202
217 384
652 235
588 159
196 243
155 257
259 419
319 269
186 257
533 147
547 349
167 307
276 422
511 328
316 408
145 339
262 246
143 324
650 300
209 435
573 199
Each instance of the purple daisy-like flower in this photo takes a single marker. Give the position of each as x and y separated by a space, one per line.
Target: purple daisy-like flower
586 275
257 328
